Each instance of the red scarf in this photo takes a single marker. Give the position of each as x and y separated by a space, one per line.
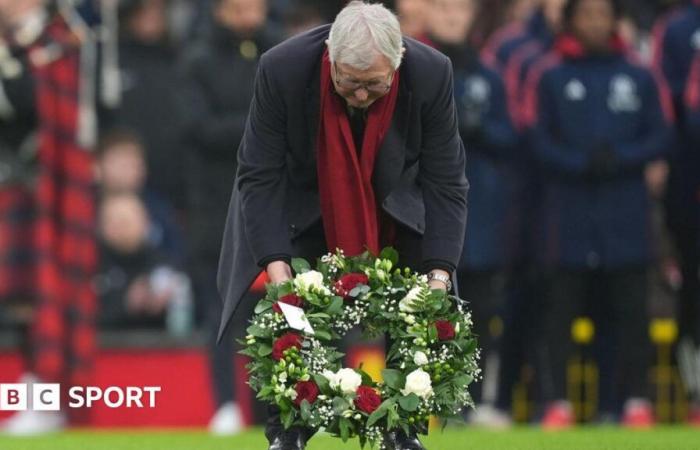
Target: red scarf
63 327
348 206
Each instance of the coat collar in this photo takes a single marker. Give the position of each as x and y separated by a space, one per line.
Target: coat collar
571 48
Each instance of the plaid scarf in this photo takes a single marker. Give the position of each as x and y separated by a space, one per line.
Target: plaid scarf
63 330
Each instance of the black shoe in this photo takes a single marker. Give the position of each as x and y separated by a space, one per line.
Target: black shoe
288 440
398 440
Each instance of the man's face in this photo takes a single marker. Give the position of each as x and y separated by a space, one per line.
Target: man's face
553 10
123 223
593 23
241 16
412 14
520 10
149 23
12 10
373 82
122 168
452 19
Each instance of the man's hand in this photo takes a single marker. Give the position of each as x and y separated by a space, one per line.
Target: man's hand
437 284
278 272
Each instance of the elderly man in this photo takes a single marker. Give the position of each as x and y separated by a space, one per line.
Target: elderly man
352 142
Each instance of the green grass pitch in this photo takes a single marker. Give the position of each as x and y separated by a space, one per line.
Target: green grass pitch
594 438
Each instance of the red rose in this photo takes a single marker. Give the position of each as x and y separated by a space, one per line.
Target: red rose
290 299
284 342
445 329
306 390
367 399
348 282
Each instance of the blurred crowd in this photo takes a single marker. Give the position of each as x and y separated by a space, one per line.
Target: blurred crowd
581 121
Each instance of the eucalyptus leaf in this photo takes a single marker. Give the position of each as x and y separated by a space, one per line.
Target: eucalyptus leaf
264 349
256 331
376 415
340 405
345 426
300 265
263 306
393 378
336 306
322 334
305 410
409 402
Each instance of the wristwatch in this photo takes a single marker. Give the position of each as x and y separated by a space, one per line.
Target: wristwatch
441 277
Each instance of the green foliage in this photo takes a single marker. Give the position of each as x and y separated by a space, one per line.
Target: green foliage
300 265
375 307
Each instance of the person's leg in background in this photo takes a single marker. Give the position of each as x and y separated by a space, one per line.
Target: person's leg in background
688 314
603 348
628 302
565 297
227 419
484 290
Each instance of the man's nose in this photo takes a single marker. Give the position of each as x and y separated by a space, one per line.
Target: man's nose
361 94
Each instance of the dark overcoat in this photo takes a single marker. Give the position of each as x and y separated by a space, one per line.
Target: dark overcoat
419 174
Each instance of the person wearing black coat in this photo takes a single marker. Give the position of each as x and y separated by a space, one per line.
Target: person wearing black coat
218 74
280 205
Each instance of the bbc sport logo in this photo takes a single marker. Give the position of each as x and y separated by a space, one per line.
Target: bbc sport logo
47 396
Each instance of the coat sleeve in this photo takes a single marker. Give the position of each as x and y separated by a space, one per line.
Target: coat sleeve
668 56
655 133
215 134
549 151
261 177
442 175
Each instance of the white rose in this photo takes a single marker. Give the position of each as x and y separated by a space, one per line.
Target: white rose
420 359
332 378
309 280
348 380
418 382
407 304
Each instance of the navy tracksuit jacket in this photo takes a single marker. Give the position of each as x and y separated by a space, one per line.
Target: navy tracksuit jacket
594 122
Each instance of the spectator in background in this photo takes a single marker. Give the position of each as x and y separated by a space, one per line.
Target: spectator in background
498 14
58 257
413 17
135 284
121 169
677 41
597 120
487 131
540 27
301 16
219 73
18 123
511 51
149 80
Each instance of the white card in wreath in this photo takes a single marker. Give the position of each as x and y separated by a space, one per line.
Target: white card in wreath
296 318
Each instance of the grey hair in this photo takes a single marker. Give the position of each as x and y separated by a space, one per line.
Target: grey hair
361 31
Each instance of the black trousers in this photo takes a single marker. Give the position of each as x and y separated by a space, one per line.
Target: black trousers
484 290
621 295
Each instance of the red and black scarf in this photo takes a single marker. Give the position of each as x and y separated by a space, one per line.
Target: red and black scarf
349 209
63 328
